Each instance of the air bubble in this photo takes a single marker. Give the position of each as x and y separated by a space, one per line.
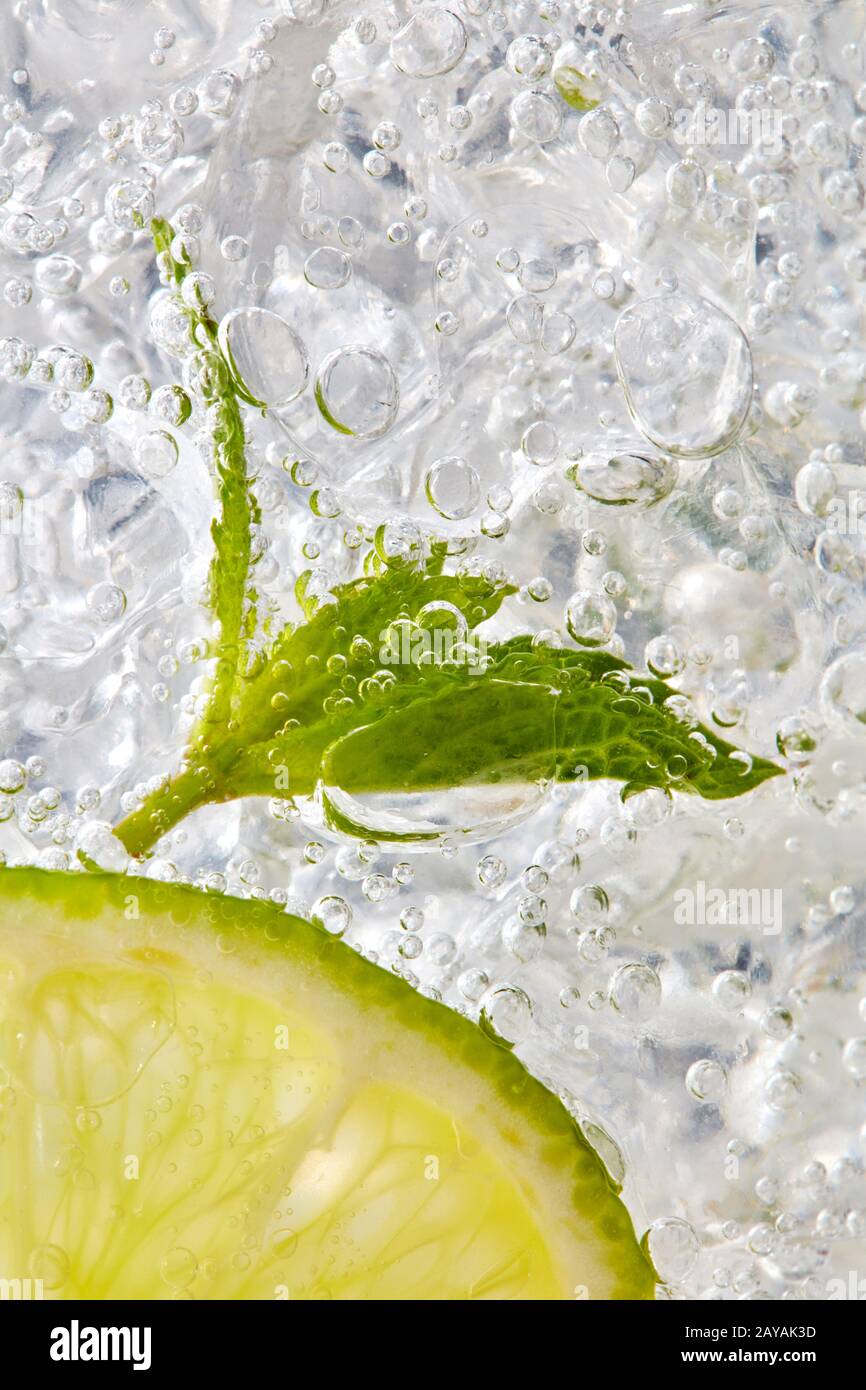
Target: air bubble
540 443
842 693
590 617
529 57
265 355
673 1247
506 1015
332 914
129 205
706 1080
686 371
429 44
854 1058
635 991
327 268
731 990
156 453
107 602
492 871
453 488
357 392
536 116
12 775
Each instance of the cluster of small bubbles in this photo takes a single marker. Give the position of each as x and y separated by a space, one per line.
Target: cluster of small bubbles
157 133
593 945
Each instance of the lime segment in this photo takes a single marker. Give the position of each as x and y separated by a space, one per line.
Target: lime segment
203 1097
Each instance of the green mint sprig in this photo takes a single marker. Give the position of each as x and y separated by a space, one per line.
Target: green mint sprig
316 705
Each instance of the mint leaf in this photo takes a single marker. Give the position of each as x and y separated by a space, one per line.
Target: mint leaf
313 683
304 667
531 714
534 716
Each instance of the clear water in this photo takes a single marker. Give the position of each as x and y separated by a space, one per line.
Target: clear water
615 352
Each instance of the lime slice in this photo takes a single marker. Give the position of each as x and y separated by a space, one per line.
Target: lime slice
203 1097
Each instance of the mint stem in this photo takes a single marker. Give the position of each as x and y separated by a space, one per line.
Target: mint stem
231 597
163 809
